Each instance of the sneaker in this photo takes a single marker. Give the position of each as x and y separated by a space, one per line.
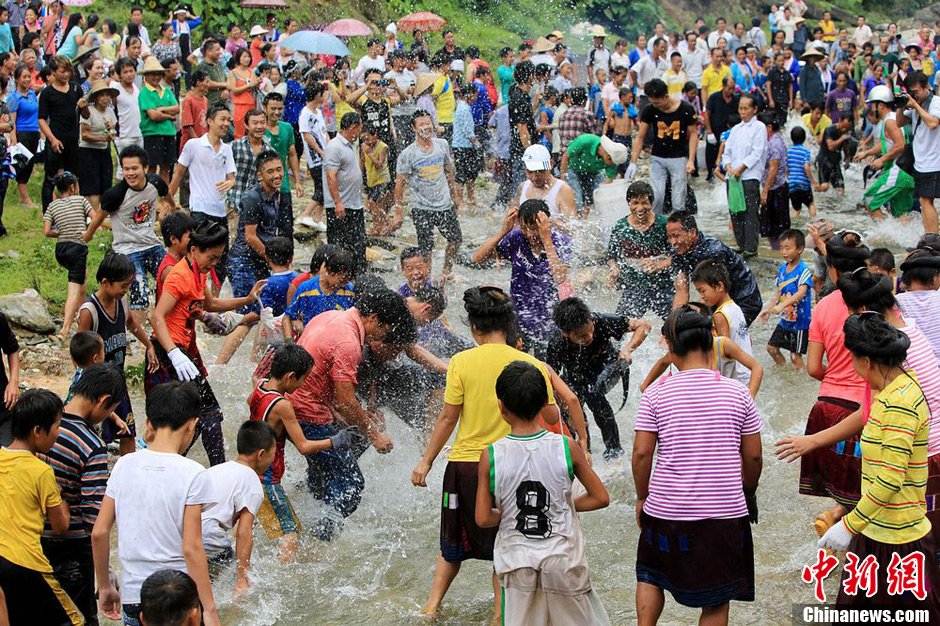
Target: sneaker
319 226
306 221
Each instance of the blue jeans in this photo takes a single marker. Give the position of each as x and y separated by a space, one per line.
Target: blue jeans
583 186
334 477
145 262
243 273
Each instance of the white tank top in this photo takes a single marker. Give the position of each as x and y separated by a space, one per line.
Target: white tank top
737 326
551 198
531 480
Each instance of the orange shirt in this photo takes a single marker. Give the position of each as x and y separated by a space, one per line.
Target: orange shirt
189 290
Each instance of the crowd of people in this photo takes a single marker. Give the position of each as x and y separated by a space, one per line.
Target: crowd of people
215 143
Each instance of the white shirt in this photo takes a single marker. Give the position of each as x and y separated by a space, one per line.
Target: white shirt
207 168
151 490
543 57
747 145
787 26
714 36
620 60
128 111
926 142
647 69
312 123
367 63
694 63
234 488
863 35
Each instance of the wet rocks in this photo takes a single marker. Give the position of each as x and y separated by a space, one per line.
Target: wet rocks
27 310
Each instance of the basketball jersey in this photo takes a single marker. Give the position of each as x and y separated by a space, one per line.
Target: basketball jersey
737 329
531 478
550 199
260 404
112 330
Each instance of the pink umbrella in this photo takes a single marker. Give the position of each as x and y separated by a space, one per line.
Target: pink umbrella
422 20
263 4
348 28
72 3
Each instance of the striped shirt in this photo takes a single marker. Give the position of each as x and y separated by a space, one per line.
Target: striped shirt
924 308
921 360
68 217
797 156
699 418
79 459
894 466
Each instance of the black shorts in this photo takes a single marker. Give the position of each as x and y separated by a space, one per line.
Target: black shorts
425 223
161 149
800 198
378 192
795 341
461 538
830 172
36 597
95 171
466 164
316 176
927 184
73 257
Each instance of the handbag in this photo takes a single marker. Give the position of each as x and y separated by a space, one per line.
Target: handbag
736 202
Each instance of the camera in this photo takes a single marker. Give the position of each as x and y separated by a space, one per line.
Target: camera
383 82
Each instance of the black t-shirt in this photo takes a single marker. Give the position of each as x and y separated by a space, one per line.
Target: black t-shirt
580 365
9 345
60 110
833 133
377 117
743 284
719 111
670 130
458 53
779 81
520 112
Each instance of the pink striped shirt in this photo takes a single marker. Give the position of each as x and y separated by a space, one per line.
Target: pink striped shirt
921 359
699 418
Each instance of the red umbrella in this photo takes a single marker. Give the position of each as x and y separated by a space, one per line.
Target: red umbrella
423 20
348 28
263 4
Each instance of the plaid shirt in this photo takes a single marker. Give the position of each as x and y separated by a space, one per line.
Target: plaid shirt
245 173
573 123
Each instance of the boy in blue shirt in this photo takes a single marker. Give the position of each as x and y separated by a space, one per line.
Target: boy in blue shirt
280 256
792 301
330 290
800 173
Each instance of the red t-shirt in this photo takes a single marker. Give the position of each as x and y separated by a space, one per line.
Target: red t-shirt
194 114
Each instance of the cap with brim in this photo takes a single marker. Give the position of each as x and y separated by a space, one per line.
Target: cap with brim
537 158
558 34
152 66
598 31
83 53
258 30
101 86
542 45
814 53
618 152
425 81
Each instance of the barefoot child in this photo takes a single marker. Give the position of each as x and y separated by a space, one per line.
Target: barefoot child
920 302
378 182
800 173
712 282
540 562
170 597
85 349
620 123
65 221
329 290
792 301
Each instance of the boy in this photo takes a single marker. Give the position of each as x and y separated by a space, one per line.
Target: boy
881 261
280 256
86 348
170 598
800 173
289 369
236 496
329 290
525 488
836 139
107 313
583 349
79 460
792 301
622 117
711 280
29 496
175 229
161 525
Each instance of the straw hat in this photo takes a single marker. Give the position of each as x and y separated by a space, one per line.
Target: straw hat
83 53
258 30
425 81
101 86
152 66
814 53
558 34
542 45
598 31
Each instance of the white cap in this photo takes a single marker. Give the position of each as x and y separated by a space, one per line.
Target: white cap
537 158
457 65
391 28
617 151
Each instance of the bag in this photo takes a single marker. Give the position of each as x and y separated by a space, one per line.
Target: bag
736 202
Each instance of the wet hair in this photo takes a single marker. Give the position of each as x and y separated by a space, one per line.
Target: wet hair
101 379
402 333
254 435
522 389
63 181
172 405
290 359
265 156
36 408
433 297
167 597
798 135
863 289
312 92
687 329
176 224
369 281
83 347
640 189
215 109
571 314
208 235
846 252
931 241
869 335
123 62
523 72
411 252
504 51
795 235
389 307
711 273
883 258
417 115
655 88
578 96
349 120
340 262
321 254
279 250
915 79
134 151
489 309
685 218
529 210
114 268
921 266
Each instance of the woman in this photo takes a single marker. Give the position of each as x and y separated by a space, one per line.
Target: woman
894 471
277 84
166 48
741 71
110 41
241 84
693 512
133 30
53 26
24 113
74 36
92 38
743 159
95 170
31 23
29 58
183 299
93 69
775 195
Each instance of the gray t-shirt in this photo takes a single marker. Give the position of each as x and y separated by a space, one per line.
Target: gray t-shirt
427 175
343 158
133 214
98 122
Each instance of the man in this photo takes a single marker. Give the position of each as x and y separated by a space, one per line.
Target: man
599 56
312 128
214 69
17 9
280 135
810 82
193 122
719 32
756 37
342 190
211 168
787 24
884 54
674 125
59 104
586 157
675 77
714 75
158 110
575 121
521 120
863 33
694 59
653 65
403 81
737 36
659 32
128 108
541 185
504 73
246 151
690 247
428 168
924 114
451 50
719 108
137 18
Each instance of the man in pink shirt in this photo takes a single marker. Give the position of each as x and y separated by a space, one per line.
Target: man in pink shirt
327 403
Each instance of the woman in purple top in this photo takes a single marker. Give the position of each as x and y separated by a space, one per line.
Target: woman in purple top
539 256
842 101
775 193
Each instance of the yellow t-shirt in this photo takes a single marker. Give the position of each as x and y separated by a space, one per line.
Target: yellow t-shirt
829 30
376 176
471 382
711 79
823 123
27 490
444 102
675 81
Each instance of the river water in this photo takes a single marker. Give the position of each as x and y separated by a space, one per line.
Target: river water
379 570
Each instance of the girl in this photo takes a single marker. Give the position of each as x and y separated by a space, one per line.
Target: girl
74 36
110 42
166 47
182 301
95 169
920 301
774 196
277 84
241 83
94 71
24 112
66 221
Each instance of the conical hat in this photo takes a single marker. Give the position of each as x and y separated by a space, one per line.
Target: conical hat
425 80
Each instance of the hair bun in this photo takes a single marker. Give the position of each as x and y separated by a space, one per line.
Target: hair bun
921 257
871 336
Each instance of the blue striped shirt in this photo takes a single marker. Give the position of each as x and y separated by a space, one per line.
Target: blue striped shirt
797 156
309 300
79 459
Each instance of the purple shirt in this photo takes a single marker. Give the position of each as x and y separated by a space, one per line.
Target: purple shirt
777 151
531 286
840 103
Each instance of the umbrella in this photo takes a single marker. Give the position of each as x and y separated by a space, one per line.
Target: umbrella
315 42
423 20
71 3
348 28
263 4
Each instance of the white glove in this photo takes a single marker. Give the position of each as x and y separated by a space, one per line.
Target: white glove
838 538
711 139
267 317
631 172
185 369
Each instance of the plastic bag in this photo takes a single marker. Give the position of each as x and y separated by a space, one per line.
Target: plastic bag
736 202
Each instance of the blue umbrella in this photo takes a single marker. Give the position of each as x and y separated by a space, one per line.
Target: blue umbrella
315 42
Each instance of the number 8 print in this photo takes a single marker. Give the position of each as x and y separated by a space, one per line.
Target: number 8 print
533 501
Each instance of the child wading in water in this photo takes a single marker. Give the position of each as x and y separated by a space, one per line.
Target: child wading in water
792 301
712 282
540 562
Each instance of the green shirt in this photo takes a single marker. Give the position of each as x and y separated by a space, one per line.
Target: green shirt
150 98
583 159
281 144
628 245
216 72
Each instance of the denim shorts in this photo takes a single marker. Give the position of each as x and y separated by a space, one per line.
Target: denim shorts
243 273
145 262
